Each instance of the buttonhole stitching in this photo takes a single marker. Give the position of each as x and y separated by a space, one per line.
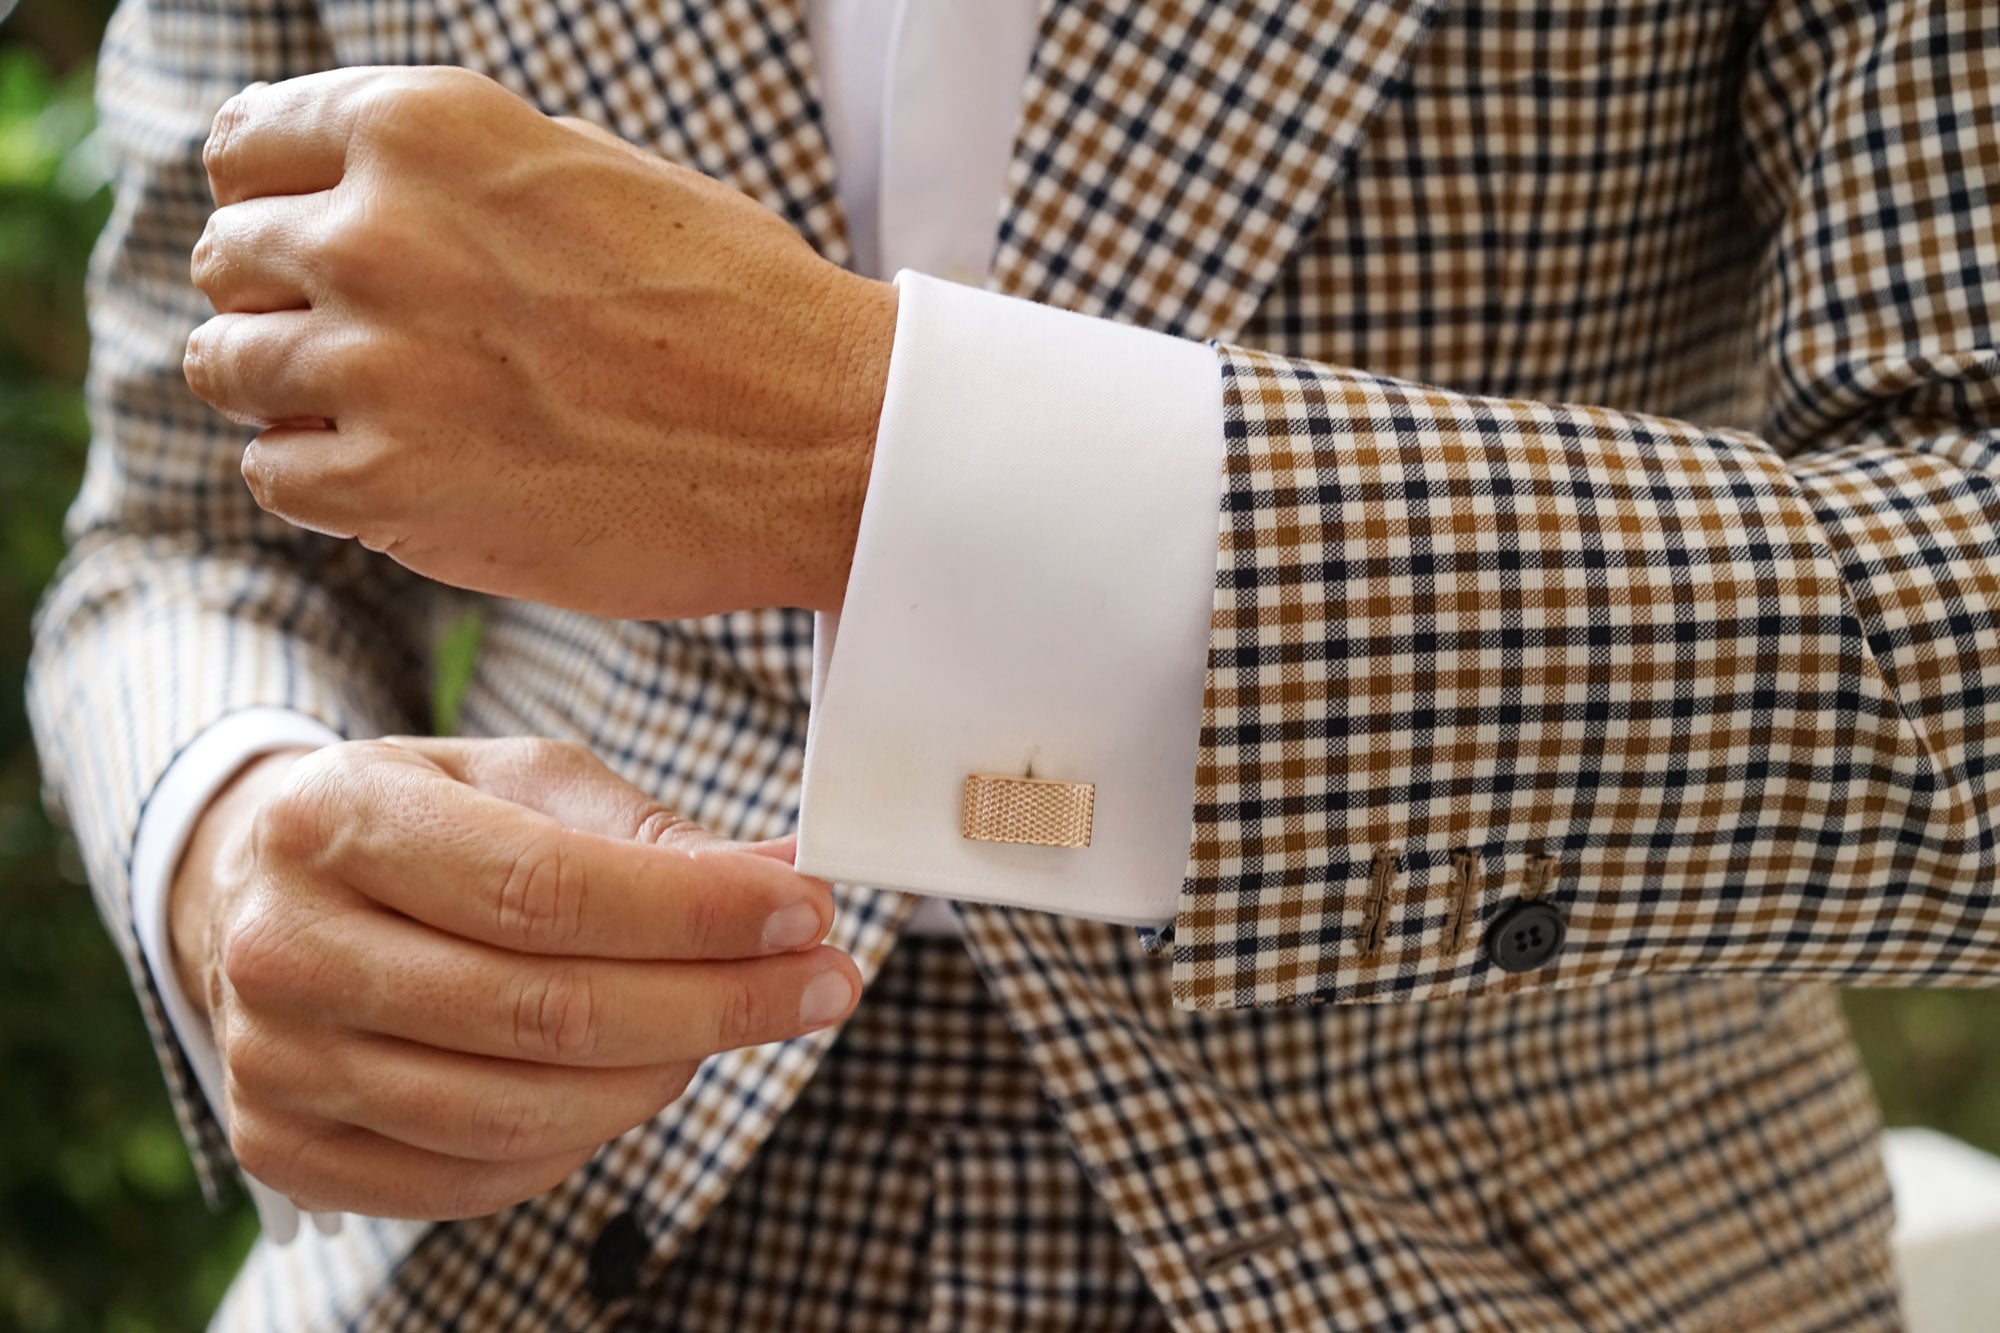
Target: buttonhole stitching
1465 886
1541 877
1231 1252
1375 908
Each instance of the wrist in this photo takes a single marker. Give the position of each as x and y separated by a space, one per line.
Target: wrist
217 850
863 314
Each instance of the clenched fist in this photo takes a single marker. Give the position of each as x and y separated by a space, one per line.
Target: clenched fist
440 974
523 357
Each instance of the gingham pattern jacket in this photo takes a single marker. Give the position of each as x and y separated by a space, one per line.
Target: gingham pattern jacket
1713 656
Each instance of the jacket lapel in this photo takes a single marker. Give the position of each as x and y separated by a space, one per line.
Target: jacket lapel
724 86
1171 155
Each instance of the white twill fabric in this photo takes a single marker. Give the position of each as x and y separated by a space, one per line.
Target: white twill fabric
1720 647
1019 609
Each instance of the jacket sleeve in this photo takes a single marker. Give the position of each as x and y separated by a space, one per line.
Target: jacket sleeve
1725 702
181 602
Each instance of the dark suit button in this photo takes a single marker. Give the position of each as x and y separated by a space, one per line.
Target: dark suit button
616 1258
1525 936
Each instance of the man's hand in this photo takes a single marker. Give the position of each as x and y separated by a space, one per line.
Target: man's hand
442 973
523 357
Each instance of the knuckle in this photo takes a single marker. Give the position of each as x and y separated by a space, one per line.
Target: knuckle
742 1009
558 1171
253 1065
574 753
475 1194
201 361
551 753
292 824
340 782
470 80
353 362
413 97
512 1123
406 110
223 132
659 826
457 1197
381 108
380 473
557 1013
408 114
702 915
272 1152
354 370
440 89
216 263
395 543
353 249
254 1145
257 959
541 898
357 759
205 260
379 540
238 1107
264 480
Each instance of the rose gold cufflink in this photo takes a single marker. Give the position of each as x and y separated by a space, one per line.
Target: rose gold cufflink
1033 811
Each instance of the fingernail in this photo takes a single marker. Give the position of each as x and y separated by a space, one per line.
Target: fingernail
791 928
825 998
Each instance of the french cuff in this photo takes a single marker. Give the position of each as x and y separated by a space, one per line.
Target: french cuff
1008 707
183 792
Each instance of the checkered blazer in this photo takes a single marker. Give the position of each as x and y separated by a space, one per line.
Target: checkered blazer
1708 665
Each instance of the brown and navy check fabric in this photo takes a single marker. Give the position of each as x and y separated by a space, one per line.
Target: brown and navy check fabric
1738 686
1612 406
1677 1153
922 1180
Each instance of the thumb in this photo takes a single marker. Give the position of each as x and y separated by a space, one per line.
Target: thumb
784 849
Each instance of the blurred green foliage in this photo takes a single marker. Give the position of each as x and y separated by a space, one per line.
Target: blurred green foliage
101 1223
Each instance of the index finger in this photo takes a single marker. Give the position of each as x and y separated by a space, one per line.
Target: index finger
486 869
285 138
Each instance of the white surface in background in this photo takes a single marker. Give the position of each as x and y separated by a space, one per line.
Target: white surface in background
1947 1236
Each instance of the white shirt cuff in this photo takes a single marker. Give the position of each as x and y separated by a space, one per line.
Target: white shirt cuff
184 791
1030 595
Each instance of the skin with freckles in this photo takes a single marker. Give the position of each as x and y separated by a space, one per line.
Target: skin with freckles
441 973
521 356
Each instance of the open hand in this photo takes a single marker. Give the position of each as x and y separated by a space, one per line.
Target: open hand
440 974
524 357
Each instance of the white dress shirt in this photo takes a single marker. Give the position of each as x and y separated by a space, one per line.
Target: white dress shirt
1023 599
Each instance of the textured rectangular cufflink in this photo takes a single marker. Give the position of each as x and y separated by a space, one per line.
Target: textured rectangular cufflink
1027 810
